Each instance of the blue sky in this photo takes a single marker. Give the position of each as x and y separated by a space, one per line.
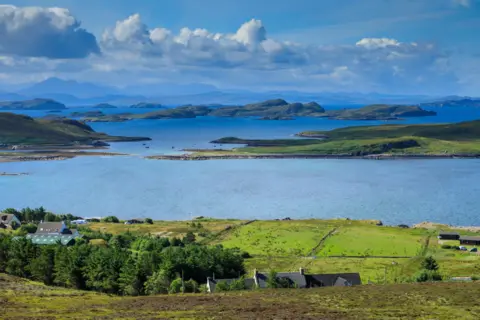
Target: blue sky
408 46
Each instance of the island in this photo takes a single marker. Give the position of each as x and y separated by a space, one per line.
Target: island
51 139
87 114
458 140
379 112
104 106
465 102
35 104
147 105
276 109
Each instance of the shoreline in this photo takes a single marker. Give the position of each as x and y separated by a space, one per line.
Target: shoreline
53 155
200 157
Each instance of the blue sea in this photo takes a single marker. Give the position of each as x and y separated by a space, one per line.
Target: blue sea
397 191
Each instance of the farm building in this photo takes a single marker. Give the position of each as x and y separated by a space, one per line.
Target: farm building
294 279
468 240
53 232
448 235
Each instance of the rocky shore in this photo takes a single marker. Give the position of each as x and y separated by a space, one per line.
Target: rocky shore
190 157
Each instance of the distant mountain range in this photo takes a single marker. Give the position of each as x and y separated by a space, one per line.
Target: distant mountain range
73 93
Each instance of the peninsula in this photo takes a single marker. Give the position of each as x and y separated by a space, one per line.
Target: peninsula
459 140
465 102
35 104
51 139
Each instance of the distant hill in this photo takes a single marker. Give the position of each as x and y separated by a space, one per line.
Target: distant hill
104 106
67 87
35 104
19 129
459 102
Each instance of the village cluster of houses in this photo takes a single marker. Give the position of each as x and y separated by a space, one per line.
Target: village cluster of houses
295 280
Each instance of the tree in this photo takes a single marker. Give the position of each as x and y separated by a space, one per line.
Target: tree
176 286
27 228
50 217
42 267
149 221
158 283
111 219
189 238
20 254
429 264
131 279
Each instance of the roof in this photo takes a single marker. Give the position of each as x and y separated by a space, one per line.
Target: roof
334 279
448 233
64 239
50 227
6 218
470 238
295 278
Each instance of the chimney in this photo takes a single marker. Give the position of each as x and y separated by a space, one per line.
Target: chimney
302 271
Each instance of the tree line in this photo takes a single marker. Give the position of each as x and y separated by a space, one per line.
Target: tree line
126 265
35 215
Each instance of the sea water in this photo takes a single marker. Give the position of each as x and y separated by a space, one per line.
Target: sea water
394 191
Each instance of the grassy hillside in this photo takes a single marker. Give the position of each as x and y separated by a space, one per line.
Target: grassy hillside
19 129
455 138
22 299
271 108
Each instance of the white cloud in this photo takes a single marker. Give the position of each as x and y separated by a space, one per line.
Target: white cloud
246 57
43 32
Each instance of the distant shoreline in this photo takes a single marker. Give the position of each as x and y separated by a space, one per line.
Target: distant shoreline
199 157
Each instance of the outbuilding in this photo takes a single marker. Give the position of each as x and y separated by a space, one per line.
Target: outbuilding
469 240
448 235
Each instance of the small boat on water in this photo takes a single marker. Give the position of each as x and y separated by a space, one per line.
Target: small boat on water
147 147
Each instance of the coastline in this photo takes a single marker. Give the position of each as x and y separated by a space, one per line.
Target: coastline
199 157
52 155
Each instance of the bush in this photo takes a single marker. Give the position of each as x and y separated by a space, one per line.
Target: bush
446 246
428 275
475 278
111 219
430 264
148 221
245 255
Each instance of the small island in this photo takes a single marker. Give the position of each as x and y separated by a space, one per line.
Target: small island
87 114
379 112
104 106
465 102
147 105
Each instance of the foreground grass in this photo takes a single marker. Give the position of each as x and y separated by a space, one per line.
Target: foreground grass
21 299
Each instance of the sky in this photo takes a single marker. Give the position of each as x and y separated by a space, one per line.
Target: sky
386 46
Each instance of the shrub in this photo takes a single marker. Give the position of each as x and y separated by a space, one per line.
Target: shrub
148 221
446 246
475 278
175 286
111 219
430 264
245 255
428 275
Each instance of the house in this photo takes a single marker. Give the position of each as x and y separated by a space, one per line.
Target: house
334 280
448 235
469 240
8 220
53 232
295 280
51 228
135 221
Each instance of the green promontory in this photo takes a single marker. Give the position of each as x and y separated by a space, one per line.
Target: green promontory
23 130
35 104
147 105
380 112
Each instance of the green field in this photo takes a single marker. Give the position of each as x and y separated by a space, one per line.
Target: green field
278 238
23 299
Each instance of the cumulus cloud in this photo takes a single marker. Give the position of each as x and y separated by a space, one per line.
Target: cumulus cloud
43 32
245 57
